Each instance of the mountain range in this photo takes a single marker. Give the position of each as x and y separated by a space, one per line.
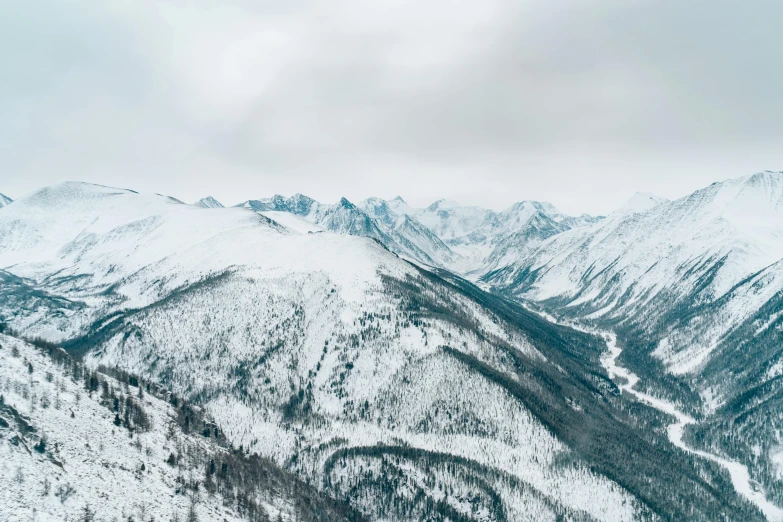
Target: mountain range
381 354
465 240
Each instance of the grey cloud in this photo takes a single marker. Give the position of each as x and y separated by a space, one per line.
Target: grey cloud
579 102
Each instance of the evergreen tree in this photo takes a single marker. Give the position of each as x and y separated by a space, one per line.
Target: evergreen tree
87 515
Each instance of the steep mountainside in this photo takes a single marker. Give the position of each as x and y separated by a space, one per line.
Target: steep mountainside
411 395
488 240
695 287
4 200
209 202
402 236
466 240
80 445
716 251
410 233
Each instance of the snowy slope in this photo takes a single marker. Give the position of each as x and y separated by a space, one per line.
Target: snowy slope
651 259
371 219
293 222
466 240
211 294
641 202
487 240
5 200
447 219
694 287
93 462
407 231
209 202
371 379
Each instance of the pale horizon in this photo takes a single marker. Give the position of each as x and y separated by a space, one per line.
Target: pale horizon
579 104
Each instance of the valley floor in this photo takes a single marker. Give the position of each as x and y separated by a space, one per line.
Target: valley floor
740 476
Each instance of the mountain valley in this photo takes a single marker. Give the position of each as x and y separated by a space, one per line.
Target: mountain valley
380 353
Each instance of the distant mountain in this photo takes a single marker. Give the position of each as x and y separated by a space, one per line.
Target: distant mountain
371 219
653 256
343 217
209 202
694 287
296 204
487 240
410 394
408 232
465 240
641 202
4 200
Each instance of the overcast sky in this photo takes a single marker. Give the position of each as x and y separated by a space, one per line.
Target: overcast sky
580 103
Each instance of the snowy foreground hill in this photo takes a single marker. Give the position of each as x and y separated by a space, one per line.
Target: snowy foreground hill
80 445
409 394
694 288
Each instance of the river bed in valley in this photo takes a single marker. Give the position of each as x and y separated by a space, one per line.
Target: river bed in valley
740 477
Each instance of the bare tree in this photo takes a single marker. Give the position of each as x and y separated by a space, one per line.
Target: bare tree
64 492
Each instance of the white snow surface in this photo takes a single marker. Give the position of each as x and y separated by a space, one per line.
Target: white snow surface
723 241
487 240
209 202
117 235
293 222
641 202
467 240
222 291
89 453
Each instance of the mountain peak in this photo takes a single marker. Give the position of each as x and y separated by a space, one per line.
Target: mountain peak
72 192
443 204
534 206
376 202
766 180
298 198
641 202
399 199
5 200
209 202
297 204
346 204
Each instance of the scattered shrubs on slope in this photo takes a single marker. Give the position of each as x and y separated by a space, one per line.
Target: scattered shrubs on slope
243 480
605 432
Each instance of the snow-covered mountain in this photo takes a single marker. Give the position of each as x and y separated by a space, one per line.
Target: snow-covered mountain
467 240
409 233
652 257
487 240
641 202
209 202
409 395
693 285
370 219
78 444
5 200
